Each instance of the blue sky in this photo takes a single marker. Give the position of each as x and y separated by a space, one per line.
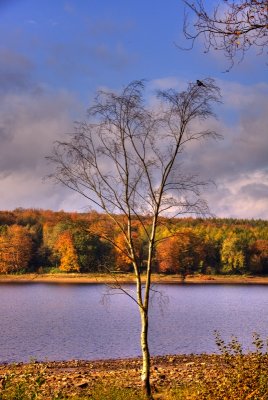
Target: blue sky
54 55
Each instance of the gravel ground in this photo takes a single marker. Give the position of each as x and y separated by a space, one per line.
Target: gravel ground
78 377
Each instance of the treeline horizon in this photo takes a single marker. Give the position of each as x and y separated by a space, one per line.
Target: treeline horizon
46 241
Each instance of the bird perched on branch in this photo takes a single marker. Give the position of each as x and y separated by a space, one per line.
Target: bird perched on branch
200 83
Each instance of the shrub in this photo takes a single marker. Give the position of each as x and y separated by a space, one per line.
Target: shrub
242 376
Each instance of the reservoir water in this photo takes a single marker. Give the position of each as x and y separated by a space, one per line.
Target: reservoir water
76 321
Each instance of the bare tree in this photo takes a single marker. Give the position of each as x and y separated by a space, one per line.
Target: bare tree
232 27
124 161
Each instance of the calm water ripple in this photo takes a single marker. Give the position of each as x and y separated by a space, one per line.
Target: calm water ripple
61 322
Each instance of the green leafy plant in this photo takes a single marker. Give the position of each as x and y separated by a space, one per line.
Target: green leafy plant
25 386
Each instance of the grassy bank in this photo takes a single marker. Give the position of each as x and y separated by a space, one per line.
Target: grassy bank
202 377
129 278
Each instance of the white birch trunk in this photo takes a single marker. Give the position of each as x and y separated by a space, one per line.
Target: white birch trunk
145 373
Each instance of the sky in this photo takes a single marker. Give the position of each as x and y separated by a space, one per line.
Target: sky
54 55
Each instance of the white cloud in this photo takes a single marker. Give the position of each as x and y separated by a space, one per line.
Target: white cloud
30 122
245 196
239 163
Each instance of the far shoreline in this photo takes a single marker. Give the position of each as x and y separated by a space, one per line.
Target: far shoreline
129 278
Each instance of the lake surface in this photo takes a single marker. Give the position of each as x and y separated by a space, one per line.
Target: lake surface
61 322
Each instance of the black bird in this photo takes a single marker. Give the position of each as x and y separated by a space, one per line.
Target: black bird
200 83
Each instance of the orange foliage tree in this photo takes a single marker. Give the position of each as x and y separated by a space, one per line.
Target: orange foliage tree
123 261
15 249
68 255
181 253
122 258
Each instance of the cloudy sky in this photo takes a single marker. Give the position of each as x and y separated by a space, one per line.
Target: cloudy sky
54 55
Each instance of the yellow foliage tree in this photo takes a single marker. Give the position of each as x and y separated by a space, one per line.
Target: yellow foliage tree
233 254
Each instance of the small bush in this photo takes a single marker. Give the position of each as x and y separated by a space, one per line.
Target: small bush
26 386
242 376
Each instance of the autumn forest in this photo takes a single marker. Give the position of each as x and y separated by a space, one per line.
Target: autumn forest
43 241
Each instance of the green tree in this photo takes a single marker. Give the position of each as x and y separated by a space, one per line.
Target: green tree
93 254
259 257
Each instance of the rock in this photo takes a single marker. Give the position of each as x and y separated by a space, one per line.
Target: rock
82 385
